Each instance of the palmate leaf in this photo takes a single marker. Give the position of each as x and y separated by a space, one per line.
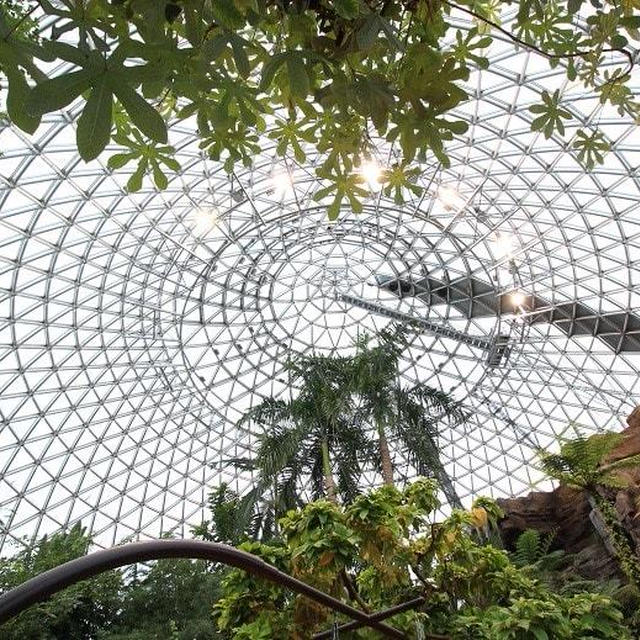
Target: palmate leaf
343 185
182 48
94 125
101 79
148 156
418 135
290 134
591 148
465 45
400 178
551 114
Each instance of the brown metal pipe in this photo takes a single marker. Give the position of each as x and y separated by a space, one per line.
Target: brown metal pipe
54 580
377 616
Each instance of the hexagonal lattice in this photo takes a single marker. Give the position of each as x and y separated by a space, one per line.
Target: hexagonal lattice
136 328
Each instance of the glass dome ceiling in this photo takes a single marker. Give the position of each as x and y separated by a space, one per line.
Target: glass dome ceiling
135 329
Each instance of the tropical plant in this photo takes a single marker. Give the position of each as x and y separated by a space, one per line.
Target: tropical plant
381 550
172 598
167 599
310 436
326 429
319 74
580 463
532 547
408 415
486 513
78 612
235 518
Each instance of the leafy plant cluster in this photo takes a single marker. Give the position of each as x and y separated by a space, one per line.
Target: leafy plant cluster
309 73
170 600
381 550
338 425
77 612
581 462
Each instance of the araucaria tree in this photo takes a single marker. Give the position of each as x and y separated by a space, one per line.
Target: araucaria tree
312 74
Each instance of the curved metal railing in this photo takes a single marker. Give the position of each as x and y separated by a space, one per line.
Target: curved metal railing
50 582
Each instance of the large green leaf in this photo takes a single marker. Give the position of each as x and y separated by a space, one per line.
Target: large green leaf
56 93
94 125
18 92
298 78
142 114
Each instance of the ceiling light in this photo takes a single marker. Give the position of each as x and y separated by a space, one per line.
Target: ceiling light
371 171
281 183
450 198
203 221
503 246
518 298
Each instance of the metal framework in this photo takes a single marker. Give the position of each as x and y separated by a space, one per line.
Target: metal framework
477 299
135 329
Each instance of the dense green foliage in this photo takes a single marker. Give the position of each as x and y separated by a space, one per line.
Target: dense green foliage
581 462
337 424
381 550
309 73
312 435
78 612
409 415
171 600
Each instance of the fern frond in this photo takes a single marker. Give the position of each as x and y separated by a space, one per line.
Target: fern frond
527 549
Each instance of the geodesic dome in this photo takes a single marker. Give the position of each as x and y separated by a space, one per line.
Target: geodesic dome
136 328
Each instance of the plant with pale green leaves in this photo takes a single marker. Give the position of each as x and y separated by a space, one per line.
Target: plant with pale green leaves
551 114
591 148
329 73
384 549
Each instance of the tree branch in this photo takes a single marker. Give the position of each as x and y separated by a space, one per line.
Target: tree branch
542 52
353 591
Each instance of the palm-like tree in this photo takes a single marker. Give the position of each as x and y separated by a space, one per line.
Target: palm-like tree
580 464
409 415
323 435
311 436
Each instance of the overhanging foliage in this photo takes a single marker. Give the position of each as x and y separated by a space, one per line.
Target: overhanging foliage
314 73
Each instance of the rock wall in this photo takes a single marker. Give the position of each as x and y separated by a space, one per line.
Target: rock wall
567 512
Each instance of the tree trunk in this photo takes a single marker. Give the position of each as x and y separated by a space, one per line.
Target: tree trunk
385 458
329 482
626 556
